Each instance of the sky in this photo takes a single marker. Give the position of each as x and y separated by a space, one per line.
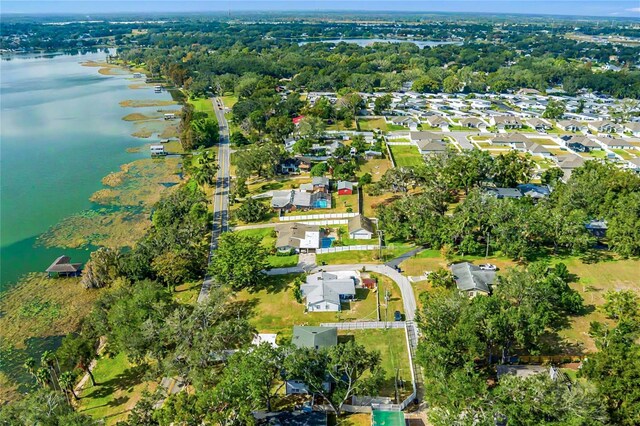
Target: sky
602 8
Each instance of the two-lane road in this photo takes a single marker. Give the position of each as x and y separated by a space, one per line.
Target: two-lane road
221 191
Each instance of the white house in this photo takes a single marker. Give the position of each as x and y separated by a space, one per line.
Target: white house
360 228
297 237
157 150
325 291
633 127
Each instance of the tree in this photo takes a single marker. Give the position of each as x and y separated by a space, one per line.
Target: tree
623 305
312 128
77 351
43 407
451 84
319 169
442 278
251 211
555 109
552 176
67 382
382 103
241 189
256 374
352 368
623 230
239 139
511 169
172 268
279 127
345 171
102 268
239 261
365 179
426 84
204 173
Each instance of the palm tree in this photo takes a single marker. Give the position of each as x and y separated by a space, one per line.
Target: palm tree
205 171
67 383
30 366
42 376
47 359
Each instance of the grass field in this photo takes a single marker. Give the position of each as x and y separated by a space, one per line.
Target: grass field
229 101
623 153
269 241
119 386
392 346
275 309
362 256
376 167
369 124
203 105
406 155
594 280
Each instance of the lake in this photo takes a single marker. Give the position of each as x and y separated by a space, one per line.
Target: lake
363 42
61 132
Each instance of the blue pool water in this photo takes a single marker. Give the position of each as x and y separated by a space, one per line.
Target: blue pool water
326 242
322 204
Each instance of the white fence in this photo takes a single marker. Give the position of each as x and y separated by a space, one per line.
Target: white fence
347 248
317 217
399 143
326 222
361 325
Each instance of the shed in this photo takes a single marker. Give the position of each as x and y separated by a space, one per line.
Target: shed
63 267
345 188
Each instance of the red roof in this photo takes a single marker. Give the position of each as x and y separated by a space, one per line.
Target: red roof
296 120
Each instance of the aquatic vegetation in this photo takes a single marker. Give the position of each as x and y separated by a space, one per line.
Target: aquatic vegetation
142 103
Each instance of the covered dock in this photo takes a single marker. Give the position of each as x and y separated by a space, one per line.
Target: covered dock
62 267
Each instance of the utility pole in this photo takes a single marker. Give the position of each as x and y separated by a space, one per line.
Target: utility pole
380 232
387 297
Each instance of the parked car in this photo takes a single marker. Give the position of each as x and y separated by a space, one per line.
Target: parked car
397 316
488 267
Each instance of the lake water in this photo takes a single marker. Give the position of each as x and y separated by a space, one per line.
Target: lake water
363 42
61 132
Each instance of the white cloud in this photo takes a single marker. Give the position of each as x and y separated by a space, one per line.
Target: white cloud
634 9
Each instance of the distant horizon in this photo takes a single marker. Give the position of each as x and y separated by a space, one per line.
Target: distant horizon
567 8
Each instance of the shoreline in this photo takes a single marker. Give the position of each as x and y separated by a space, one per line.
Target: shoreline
38 311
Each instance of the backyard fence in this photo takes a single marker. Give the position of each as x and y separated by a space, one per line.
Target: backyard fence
317 217
325 222
399 143
362 325
347 248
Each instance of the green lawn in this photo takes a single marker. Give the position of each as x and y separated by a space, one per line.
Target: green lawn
229 101
269 241
622 153
394 356
395 127
119 386
203 105
362 256
369 124
275 309
406 155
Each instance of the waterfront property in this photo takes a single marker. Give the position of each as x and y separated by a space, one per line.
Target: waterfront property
62 267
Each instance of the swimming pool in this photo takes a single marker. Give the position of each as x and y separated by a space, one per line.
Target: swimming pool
326 242
321 204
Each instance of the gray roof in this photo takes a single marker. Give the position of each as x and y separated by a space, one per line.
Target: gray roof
301 199
314 337
281 199
471 278
504 192
63 265
343 184
360 222
293 234
536 148
425 136
327 287
506 119
431 146
582 140
534 191
472 120
508 138
436 120
320 180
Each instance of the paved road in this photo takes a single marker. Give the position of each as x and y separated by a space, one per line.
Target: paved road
461 138
221 192
408 298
